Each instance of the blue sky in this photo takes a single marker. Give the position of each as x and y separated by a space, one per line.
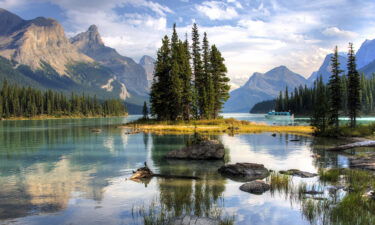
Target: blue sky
253 35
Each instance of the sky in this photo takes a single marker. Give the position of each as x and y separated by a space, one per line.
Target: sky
253 35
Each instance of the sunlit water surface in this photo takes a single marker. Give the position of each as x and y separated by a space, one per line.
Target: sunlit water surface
60 172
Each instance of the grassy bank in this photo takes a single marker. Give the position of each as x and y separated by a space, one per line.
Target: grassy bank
361 130
213 126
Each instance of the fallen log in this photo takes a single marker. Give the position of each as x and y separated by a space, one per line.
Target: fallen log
368 143
146 173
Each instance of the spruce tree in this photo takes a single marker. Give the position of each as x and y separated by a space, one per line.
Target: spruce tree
160 89
335 91
185 69
220 81
320 107
175 89
207 85
354 103
198 70
145 111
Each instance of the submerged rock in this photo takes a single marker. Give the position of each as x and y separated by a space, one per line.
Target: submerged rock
298 173
96 130
255 187
194 220
244 171
208 149
366 162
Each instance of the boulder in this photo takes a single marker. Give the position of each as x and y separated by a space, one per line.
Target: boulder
194 220
208 149
142 173
255 187
298 173
244 171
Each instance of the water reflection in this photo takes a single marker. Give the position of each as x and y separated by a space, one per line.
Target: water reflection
58 171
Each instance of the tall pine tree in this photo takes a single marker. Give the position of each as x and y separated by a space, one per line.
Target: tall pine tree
160 89
334 86
354 103
219 80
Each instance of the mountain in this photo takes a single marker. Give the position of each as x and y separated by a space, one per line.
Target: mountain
148 63
37 53
365 58
325 68
366 53
127 71
41 40
262 87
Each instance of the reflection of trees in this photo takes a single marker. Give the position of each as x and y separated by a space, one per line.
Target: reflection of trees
196 197
43 162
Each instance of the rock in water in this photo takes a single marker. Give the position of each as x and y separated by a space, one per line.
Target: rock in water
194 220
298 173
209 149
244 171
142 173
255 187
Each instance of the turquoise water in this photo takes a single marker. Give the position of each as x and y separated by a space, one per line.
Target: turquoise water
59 172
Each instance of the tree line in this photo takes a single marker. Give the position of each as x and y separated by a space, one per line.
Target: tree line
18 101
344 95
190 81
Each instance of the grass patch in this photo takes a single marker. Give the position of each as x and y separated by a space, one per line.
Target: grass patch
280 182
219 126
329 175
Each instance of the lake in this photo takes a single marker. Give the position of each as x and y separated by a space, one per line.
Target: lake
60 172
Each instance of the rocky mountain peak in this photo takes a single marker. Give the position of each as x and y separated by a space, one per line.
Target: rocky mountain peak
37 41
146 60
8 22
89 39
148 63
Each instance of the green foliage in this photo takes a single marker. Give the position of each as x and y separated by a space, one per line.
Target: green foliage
145 111
329 175
334 86
264 106
180 91
18 101
354 103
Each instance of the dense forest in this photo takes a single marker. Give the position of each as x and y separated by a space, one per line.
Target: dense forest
18 101
302 100
190 81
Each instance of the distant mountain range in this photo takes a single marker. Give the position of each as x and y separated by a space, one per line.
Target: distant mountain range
37 53
261 87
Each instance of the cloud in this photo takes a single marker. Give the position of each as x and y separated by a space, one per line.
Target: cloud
215 10
336 32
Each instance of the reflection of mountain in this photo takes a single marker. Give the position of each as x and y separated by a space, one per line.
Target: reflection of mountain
43 163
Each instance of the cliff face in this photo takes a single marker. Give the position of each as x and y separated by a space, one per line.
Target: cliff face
126 70
32 42
148 63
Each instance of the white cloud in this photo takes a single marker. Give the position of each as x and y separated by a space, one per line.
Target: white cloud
215 10
336 32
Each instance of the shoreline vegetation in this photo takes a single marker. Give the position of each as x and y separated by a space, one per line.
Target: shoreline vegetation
230 126
56 117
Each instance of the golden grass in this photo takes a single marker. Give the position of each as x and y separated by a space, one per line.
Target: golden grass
231 126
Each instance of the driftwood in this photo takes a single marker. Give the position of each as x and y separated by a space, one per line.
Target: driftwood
368 143
146 173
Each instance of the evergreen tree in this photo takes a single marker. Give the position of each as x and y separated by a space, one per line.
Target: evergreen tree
198 70
185 69
207 85
220 81
159 96
175 93
334 86
320 107
145 111
354 103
